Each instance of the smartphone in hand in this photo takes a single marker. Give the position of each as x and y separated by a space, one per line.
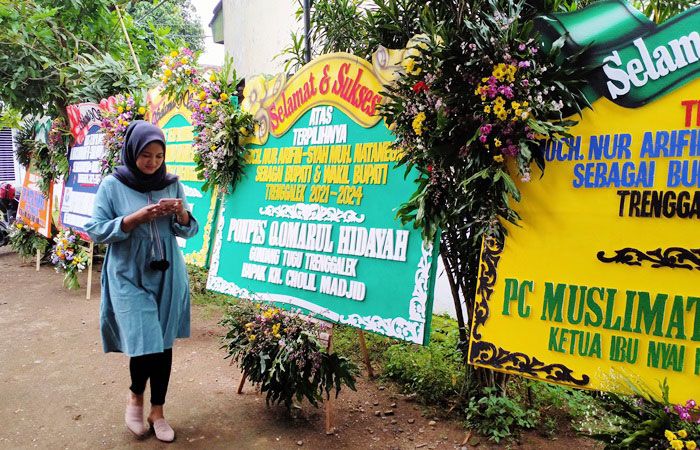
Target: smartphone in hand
169 201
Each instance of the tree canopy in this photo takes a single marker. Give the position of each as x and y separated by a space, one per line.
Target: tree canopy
53 55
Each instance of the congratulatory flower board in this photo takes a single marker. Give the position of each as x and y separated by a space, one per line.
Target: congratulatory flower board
176 122
312 224
600 284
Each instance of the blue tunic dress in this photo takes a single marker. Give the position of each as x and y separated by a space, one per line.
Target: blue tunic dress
142 310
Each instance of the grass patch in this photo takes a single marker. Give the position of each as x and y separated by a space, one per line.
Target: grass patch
212 303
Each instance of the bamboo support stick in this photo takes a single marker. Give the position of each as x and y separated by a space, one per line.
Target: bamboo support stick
330 404
128 41
240 386
365 353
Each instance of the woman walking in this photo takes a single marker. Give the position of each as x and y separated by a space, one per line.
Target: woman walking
139 211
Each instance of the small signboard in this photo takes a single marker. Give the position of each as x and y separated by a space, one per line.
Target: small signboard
85 167
34 208
312 225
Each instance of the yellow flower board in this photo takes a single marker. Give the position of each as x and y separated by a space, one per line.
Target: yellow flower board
600 283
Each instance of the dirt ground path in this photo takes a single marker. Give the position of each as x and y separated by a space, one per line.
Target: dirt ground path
59 390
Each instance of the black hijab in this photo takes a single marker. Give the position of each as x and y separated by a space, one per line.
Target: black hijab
138 135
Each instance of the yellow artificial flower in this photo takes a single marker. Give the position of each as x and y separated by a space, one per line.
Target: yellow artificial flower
497 109
251 338
411 68
525 104
670 435
202 95
202 105
691 445
183 60
682 434
498 158
128 108
168 72
502 115
243 131
223 96
212 78
214 103
276 329
188 71
174 53
497 142
487 109
414 48
677 444
120 109
499 71
165 79
418 123
499 101
515 105
142 110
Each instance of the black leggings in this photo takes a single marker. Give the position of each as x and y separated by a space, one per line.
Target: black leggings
155 366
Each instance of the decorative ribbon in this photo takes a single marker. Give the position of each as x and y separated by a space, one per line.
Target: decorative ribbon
636 61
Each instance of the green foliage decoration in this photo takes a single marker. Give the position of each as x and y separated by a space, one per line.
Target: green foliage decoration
26 242
24 141
50 160
282 353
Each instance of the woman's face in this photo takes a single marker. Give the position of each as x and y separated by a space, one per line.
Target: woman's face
151 158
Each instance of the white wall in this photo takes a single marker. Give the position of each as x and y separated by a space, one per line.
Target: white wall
255 31
443 303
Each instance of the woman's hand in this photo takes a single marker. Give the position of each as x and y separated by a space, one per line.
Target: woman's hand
176 206
144 215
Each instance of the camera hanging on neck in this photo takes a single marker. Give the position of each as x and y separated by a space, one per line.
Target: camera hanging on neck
160 264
